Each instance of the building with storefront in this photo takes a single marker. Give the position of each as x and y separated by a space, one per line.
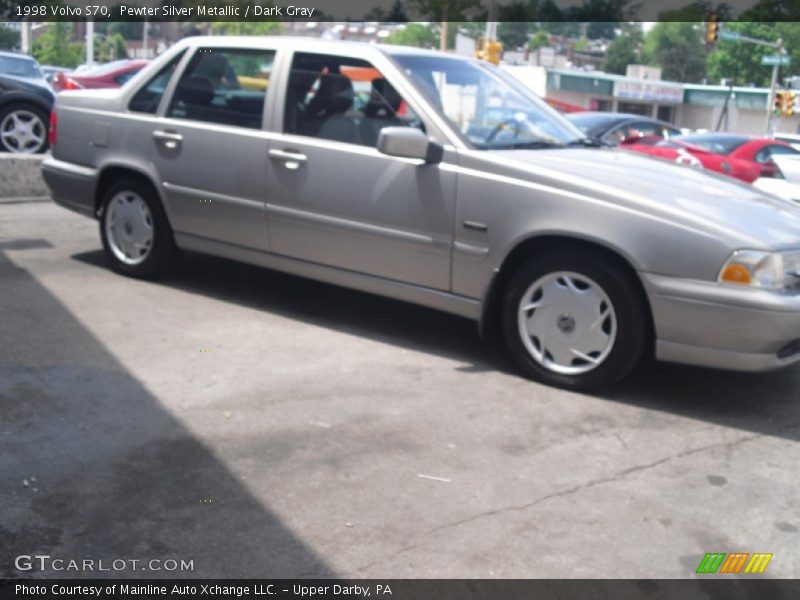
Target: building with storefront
642 92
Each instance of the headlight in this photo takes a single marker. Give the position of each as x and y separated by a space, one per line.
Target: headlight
767 270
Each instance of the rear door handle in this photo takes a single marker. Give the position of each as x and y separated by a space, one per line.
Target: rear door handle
171 139
291 159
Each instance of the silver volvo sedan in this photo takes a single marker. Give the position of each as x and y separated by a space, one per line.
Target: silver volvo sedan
438 180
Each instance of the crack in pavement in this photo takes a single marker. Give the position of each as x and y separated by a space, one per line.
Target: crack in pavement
575 489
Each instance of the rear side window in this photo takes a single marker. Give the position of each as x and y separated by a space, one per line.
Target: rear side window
147 99
224 86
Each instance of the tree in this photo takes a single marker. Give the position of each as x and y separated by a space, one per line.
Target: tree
538 40
111 47
247 27
54 46
741 61
9 38
624 51
414 34
677 47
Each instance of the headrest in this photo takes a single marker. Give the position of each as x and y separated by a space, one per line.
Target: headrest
196 90
335 95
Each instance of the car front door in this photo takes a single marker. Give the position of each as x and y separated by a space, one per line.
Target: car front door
333 199
209 147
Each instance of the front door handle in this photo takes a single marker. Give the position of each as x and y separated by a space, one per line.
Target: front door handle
291 158
171 139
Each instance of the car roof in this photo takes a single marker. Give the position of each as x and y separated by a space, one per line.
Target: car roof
5 53
312 44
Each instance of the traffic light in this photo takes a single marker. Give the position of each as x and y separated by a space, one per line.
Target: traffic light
712 29
777 104
489 50
494 51
790 98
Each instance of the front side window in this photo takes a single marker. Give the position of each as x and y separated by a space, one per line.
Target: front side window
342 99
147 99
489 110
224 86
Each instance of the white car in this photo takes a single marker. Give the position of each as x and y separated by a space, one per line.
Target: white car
787 187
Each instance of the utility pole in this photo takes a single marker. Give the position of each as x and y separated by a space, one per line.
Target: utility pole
90 42
25 38
145 40
768 128
443 34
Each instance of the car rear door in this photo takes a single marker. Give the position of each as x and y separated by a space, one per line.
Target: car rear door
209 146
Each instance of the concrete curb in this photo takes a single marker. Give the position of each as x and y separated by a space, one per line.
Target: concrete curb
21 176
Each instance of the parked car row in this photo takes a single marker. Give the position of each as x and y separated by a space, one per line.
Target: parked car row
27 94
443 182
747 158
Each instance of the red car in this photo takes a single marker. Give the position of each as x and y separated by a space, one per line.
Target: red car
109 75
741 156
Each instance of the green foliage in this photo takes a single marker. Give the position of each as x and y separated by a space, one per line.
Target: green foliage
54 46
9 38
395 14
580 45
111 47
538 40
415 34
247 27
677 47
741 61
624 50
446 10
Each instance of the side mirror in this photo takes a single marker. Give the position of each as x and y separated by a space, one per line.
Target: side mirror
407 142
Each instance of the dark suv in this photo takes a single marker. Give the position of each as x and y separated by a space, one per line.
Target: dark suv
25 103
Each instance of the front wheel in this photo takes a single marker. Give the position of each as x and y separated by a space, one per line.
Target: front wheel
575 320
136 235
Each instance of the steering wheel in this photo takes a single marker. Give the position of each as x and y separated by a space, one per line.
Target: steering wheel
515 123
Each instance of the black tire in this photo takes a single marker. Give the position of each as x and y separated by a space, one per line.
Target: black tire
633 325
27 109
162 252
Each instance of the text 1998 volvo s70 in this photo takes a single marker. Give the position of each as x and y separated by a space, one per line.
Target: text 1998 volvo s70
438 180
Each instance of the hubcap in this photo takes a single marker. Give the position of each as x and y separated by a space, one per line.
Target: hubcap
129 228
23 132
567 323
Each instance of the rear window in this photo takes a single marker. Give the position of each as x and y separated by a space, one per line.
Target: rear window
714 143
103 69
19 67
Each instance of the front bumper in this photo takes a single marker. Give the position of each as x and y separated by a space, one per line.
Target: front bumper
711 325
71 186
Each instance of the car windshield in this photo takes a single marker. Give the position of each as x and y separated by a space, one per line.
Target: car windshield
19 67
714 143
490 109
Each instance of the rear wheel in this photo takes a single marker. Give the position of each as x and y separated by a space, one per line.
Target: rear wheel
575 320
136 235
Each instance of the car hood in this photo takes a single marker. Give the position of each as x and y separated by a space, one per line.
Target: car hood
695 199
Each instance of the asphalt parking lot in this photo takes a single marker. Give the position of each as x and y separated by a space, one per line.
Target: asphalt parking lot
262 425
